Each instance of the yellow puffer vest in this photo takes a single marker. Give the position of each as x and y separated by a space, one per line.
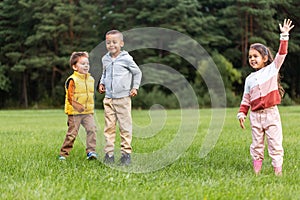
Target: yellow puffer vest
84 93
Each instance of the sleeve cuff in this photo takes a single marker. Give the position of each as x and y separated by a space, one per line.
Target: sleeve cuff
241 115
284 36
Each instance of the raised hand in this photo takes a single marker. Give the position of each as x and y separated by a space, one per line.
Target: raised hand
287 26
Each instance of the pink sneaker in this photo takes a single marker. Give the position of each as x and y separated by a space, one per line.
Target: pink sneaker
257 164
278 171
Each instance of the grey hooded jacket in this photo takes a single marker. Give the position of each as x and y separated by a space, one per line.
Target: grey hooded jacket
120 75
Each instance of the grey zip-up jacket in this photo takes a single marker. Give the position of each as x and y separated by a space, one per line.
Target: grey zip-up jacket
120 75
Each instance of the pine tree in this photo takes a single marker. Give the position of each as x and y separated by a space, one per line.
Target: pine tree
290 71
16 25
40 37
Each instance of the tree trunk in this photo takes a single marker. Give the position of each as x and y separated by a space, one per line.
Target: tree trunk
251 26
245 41
53 78
24 94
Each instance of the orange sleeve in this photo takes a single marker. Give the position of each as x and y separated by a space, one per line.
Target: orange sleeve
71 90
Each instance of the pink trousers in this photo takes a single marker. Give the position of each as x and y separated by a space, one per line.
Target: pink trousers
267 123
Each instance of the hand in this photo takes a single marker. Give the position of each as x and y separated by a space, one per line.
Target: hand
79 107
287 26
133 92
101 88
242 120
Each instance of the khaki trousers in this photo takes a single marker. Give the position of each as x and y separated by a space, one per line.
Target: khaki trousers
117 110
267 122
74 121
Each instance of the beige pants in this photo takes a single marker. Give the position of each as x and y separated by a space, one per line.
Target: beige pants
267 122
117 110
74 121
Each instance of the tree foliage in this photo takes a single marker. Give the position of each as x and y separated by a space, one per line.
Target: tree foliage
37 38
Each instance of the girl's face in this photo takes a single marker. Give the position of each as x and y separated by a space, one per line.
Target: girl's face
82 66
114 43
256 60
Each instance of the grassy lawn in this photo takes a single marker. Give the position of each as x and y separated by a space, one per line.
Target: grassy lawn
166 163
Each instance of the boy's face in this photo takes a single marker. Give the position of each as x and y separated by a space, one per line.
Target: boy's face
82 66
114 43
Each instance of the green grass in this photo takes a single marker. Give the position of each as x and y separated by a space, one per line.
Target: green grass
30 141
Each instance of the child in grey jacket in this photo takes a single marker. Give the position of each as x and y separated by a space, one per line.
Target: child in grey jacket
120 81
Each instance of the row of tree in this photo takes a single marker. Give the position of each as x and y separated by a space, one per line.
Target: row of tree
37 38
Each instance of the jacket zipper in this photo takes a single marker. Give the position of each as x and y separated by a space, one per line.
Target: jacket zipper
87 93
112 79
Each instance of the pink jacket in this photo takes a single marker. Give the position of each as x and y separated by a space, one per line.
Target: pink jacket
261 87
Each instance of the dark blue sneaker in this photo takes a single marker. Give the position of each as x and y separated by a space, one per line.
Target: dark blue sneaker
125 159
109 159
91 156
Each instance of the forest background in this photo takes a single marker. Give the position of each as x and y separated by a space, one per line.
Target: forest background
37 38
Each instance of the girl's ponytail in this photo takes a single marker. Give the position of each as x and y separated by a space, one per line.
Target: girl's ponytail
280 88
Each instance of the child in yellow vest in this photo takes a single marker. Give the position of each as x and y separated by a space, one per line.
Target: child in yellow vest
79 106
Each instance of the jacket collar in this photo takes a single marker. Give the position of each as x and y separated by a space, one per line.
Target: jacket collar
82 76
122 53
